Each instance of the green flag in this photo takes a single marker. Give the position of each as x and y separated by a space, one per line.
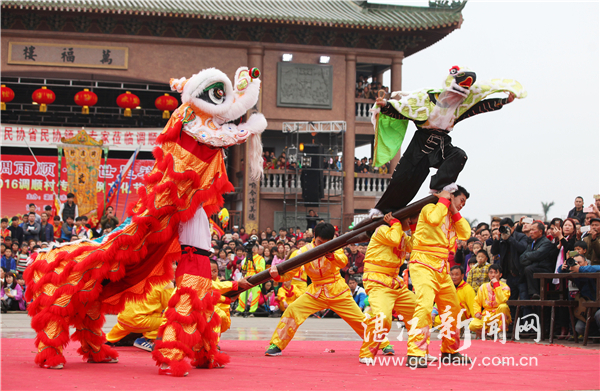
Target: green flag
389 135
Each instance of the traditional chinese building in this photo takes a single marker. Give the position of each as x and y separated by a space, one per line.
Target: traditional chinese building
310 55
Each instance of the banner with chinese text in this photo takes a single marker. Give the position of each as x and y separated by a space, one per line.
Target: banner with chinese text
22 182
124 139
83 163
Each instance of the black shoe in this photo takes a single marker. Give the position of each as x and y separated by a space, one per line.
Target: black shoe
273 350
455 358
416 362
535 297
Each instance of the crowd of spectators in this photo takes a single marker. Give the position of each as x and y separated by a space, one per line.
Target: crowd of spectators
30 232
520 248
365 166
368 90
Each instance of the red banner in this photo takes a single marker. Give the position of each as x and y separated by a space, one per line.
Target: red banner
23 181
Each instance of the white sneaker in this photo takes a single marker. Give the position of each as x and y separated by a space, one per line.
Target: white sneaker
366 360
451 188
375 213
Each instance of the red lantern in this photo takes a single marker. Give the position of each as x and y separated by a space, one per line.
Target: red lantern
86 98
166 103
43 96
128 101
7 95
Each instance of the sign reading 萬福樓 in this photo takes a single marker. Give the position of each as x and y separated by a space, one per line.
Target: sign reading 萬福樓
67 55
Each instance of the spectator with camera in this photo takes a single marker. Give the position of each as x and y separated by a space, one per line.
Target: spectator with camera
355 266
539 257
564 239
109 220
508 245
593 242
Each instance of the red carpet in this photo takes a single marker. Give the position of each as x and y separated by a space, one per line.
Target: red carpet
306 365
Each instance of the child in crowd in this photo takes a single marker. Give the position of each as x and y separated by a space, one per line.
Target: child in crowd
15 249
479 273
490 303
268 297
8 261
57 228
287 294
581 247
21 282
222 262
79 229
67 230
4 231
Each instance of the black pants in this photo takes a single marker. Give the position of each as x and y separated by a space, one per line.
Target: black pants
10 305
428 148
533 284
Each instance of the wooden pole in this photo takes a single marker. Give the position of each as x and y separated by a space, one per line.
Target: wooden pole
361 233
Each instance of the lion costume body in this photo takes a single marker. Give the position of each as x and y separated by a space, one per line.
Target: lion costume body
75 284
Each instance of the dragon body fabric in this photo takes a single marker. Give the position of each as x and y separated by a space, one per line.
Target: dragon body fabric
435 112
76 283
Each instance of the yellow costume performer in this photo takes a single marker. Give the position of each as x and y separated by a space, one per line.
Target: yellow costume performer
287 295
466 298
224 305
436 234
328 290
300 279
490 304
386 289
256 265
142 316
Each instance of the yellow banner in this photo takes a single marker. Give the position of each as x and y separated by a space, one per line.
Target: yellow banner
82 174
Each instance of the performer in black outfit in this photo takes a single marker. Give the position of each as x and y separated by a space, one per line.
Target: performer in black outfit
431 145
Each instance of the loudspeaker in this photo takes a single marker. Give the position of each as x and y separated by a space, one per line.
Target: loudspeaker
312 174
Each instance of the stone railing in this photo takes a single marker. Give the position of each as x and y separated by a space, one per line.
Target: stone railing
371 184
276 181
362 109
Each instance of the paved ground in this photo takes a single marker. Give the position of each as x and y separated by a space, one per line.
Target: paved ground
252 329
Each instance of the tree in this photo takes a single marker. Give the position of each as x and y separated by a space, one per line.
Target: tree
546 207
472 223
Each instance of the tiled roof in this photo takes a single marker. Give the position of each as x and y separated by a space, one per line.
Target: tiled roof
337 13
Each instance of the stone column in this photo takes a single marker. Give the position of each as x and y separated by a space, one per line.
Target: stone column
349 142
396 86
251 191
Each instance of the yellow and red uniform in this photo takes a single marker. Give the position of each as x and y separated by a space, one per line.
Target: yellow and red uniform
142 316
466 297
287 296
490 303
257 265
435 236
328 290
224 304
300 279
386 289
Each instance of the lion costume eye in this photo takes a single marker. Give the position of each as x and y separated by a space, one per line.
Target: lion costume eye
215 94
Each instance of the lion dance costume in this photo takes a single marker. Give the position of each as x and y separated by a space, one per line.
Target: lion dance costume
77 283
434 112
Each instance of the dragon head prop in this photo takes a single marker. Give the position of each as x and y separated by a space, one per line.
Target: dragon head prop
212 109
